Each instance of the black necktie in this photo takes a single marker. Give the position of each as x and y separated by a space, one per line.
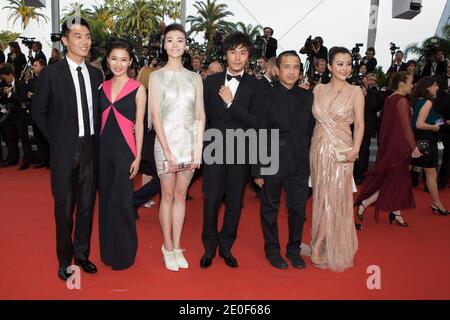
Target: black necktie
238 77
84 104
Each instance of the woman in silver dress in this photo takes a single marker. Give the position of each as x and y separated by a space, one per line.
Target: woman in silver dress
178 116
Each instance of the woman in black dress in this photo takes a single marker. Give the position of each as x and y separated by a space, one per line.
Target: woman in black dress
426 123
122 107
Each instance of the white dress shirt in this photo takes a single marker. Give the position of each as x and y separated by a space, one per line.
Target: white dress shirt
87 80
233 84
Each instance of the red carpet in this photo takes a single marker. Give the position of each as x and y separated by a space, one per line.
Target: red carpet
414 262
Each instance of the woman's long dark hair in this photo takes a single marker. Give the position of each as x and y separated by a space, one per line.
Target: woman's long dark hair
421 90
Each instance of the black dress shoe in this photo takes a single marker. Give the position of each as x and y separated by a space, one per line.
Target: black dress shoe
205 262
189 197
296 260
229 260
23 166
87 266
277 261
63 274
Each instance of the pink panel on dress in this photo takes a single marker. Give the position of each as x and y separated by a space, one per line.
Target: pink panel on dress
104 118
126 126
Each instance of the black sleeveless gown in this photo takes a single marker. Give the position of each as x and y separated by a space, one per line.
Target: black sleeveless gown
117 222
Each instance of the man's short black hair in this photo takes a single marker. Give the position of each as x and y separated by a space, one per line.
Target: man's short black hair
41 62
6 69
289 53
65 29
235 40
271 30
371 49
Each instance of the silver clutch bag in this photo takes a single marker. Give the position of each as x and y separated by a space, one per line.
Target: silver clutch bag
180 166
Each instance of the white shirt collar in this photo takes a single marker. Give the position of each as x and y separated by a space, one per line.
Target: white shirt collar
268 79
73 65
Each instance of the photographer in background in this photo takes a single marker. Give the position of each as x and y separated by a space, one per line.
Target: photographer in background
36 47
369 60
320 73
397 65
16 58
436 64
270 45
156 43
373 104
13 95
2 54
39 138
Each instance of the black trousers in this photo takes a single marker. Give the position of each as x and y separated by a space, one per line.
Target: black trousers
14 130
42 144
362 164
78 194
147 192
219 181
444 171
296 189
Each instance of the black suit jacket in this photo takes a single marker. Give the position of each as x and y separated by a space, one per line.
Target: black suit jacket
39 55
271 50
265 84
56 115
295 127
393 69
441 69
244 113
14 102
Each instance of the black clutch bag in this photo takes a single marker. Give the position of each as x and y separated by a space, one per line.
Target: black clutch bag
423 146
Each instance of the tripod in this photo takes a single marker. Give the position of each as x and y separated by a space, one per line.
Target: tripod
309 66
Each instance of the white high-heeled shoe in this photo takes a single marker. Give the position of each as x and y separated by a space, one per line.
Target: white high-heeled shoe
169 259
180 259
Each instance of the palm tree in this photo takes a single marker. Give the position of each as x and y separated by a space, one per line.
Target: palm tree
139 19
76 9
18 10
169 8
250 30
210 18
103 13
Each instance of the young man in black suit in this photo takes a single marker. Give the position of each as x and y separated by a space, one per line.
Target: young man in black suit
287 109
65 109
232 102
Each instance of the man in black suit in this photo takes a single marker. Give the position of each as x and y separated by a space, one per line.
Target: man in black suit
65 109
270 45
288 109
369 60
270 76
156 43
232 104
15 126
38 54
397 65
436 66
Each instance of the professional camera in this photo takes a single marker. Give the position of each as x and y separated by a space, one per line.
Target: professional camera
28 42
393 48
309 46
431 48
55 37
259 43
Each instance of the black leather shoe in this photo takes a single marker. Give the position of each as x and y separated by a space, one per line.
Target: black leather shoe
205 262
87 266
23 166
277 261
296 260
229 260
63 274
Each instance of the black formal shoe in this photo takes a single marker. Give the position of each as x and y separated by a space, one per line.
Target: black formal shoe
87 266
296 260
24 166
40 166
393 217
358 226
229 260
277 261
63 274
189 197
438 211
205 262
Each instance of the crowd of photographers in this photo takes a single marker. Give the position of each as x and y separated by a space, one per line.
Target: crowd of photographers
19 76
